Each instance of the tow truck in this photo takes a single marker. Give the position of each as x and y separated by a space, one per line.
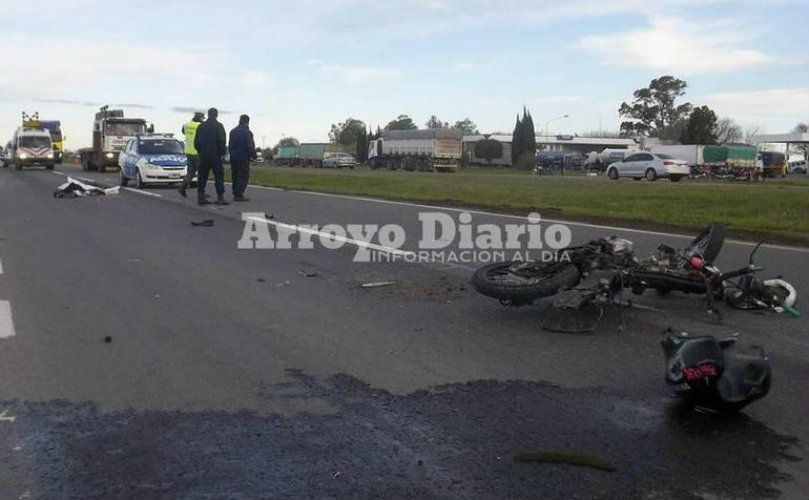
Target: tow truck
111 132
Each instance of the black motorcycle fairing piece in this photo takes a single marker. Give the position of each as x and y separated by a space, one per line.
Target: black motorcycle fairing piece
715 375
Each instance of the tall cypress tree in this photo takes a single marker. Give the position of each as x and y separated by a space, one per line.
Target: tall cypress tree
529 138
516 141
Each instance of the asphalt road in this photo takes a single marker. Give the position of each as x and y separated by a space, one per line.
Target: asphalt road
154 359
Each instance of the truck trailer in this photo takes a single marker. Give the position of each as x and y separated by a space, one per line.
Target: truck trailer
111 132
54 127
437 149
729 160
308 154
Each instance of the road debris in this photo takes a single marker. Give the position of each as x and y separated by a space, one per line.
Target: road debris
268 215
204 223
76 189
377 284
5 417
308 274
107 339
260 280
285 283
566 458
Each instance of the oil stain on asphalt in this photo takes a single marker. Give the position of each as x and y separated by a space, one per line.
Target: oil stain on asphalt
452 441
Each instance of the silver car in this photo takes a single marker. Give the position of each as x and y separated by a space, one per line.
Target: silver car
650 166
339 160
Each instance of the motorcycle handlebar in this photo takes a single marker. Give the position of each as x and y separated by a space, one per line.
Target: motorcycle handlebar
739 272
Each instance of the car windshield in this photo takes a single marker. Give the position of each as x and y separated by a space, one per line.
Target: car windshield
125 128
35 142
151 147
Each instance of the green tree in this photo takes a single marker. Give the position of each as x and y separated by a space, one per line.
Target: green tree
285 142
516 141
488 149
362 146
467 126
346 132
435 122
654 110
700 127
402 122
529 136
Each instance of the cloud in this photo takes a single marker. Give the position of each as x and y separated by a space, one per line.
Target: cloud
23 73
465 67
129 105
758 105
681 46
255 78
73 102
560 99
353 74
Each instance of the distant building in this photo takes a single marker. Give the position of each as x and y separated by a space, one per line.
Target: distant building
562 143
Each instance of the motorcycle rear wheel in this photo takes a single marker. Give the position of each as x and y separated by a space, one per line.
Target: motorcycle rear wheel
519 283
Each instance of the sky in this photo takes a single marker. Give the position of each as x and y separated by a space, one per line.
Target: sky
297 67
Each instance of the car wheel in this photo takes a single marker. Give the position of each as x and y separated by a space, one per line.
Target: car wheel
124 179
613 174
651 175
18 166
675 178
102 168
139 181
49 166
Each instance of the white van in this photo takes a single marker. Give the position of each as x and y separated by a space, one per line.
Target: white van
29 147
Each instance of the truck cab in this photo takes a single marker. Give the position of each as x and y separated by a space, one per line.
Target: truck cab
111 133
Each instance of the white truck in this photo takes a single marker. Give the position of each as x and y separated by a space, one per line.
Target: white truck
30 146
425 150
111 132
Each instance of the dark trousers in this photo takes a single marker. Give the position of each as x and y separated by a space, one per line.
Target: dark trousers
191 171
240 173
211 164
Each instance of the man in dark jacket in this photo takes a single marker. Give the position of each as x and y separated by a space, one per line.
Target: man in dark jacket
242 150
210 145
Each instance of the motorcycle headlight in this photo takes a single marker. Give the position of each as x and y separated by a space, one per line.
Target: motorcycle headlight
110 155
23 156
50 155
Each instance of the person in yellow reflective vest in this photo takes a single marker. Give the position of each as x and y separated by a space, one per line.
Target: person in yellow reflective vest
190 132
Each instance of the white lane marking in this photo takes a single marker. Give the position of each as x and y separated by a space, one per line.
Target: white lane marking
5 417
334 237
55 172
147 193
6 323
519 217
1 266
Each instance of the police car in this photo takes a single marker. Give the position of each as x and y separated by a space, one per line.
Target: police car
152 159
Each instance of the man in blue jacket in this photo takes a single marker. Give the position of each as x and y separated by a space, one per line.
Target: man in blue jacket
242 150
210 145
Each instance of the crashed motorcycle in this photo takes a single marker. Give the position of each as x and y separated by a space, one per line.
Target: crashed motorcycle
588 276
715 375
